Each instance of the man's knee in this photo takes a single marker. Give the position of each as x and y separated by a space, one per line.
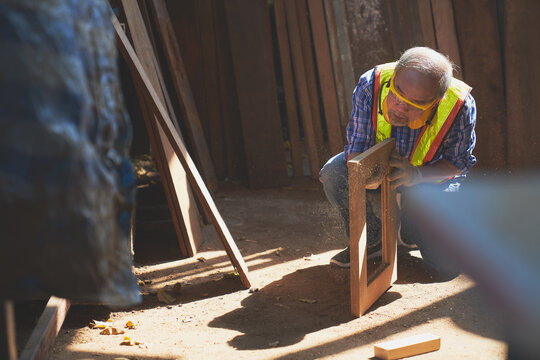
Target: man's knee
335 170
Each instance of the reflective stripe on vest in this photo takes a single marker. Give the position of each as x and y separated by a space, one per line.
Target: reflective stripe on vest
432 135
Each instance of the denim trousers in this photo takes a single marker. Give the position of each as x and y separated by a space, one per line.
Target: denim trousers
335 179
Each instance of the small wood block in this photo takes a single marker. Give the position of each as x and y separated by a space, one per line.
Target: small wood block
409 346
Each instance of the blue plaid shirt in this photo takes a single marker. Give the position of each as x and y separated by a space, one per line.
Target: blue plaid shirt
457 146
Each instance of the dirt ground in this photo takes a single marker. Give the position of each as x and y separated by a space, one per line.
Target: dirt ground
301 307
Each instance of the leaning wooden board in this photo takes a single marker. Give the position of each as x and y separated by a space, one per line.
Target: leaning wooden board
184 95
181 202
180 150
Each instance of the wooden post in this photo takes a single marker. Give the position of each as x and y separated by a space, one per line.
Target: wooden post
366 289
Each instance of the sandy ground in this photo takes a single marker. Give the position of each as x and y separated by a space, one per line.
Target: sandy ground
301 308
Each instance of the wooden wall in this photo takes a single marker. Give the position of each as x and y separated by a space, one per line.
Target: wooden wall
493 46
272 110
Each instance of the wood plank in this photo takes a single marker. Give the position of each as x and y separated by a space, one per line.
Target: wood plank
248 23
236 168
288 87
49 324
311 78
409 346
483 70
445 32
211 84
183 93
161 163
8 346
149 26
405 25
521 54
425 15
370 39
302 89
183 210
326 76
365 290
343 95
191 170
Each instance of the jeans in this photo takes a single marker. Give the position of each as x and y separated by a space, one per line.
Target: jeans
335 179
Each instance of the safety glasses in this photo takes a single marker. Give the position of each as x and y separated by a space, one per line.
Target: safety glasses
414 105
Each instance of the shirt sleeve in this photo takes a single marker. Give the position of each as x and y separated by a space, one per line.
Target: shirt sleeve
360 132
461 139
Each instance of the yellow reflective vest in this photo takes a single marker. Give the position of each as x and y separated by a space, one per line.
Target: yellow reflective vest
433 133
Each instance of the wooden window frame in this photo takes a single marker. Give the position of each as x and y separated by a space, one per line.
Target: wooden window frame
365 290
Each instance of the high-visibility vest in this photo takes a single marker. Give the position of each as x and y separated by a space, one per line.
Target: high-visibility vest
433 133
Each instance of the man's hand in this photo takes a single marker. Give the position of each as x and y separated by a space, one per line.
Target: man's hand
402 172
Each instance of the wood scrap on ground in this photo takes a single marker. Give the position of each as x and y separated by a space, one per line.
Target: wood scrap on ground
409 346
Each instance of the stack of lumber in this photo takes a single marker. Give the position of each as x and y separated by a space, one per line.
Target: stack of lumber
263 82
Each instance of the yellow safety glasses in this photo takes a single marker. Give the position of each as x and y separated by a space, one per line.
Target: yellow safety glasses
416 106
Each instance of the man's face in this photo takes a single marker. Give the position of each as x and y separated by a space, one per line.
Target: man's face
415 87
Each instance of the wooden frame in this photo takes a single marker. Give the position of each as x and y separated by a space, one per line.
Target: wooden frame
365 290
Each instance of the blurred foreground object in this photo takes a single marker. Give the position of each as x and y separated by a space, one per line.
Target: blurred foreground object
491 231
67 185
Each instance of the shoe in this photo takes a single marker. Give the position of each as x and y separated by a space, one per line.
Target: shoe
342 258
405 242
374 250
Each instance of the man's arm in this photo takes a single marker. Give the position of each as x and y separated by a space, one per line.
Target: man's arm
456 155
360 132
404 173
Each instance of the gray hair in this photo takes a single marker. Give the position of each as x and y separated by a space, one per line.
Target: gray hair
430 63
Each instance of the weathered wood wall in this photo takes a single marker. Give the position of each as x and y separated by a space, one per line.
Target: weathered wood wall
255 138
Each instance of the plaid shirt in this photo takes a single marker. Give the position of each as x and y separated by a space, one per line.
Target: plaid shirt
457 146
